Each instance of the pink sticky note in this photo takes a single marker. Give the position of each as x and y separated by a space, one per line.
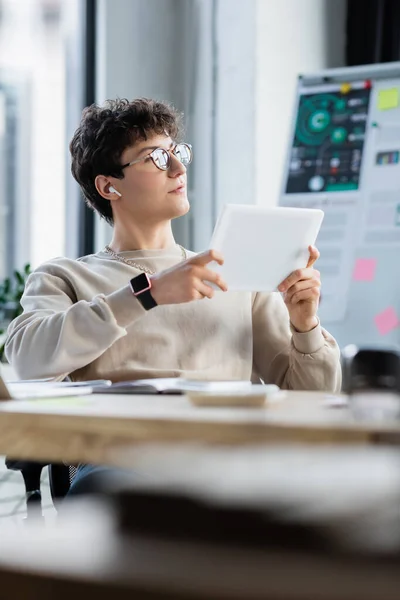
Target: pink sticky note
387 320
364 269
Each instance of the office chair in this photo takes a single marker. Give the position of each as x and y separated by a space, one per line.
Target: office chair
60 479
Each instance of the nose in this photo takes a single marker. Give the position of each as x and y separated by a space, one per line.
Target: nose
176 168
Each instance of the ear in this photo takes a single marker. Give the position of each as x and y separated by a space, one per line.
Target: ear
106 189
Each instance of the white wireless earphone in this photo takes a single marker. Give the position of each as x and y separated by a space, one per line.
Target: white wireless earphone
112 189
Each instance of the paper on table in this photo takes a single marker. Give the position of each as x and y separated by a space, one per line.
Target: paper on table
387 320
65 401
364 269
172 385
335 401
388 99
20 391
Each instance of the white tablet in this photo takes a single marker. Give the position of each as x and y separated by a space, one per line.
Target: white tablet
262 246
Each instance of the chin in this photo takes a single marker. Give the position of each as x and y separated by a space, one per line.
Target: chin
181 207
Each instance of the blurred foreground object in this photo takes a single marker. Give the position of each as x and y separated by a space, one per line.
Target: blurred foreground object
371 377
291 523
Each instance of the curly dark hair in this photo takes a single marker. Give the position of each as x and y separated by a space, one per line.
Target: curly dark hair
106 131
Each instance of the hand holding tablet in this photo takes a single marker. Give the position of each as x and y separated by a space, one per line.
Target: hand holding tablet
261 246
301 293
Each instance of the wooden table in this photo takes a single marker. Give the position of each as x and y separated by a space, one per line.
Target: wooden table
96 428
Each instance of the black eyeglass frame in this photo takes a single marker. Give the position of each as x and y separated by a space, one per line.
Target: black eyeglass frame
165 152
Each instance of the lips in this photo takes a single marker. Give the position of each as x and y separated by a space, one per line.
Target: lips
179 189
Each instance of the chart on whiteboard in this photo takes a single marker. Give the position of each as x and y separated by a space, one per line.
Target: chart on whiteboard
328 142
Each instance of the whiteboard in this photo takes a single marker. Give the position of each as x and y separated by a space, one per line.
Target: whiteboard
344 158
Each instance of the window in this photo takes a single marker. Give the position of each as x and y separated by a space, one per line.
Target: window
34 58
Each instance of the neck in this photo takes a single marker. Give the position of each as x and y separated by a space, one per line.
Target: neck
130 237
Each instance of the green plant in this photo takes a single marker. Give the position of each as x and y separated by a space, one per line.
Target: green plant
11 290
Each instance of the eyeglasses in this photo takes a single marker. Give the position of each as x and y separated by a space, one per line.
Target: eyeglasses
162 158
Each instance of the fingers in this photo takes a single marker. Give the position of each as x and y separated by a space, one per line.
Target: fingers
295 292
314 256
204 290
311 293
204 274
189 280
212 277
298 275
206 257
304 284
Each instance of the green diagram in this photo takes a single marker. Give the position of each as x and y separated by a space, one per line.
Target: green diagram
328 141
314 121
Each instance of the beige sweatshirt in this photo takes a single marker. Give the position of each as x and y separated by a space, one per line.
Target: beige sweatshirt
81 319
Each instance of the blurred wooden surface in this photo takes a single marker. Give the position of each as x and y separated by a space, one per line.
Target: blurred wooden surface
85 554
94 428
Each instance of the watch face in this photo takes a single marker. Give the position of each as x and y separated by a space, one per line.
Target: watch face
140 284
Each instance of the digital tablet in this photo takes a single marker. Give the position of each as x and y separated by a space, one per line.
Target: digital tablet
262 246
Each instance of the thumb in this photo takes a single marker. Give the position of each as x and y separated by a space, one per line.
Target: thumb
314 256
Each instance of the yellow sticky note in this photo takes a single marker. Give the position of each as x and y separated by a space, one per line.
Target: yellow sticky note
345 88
388 99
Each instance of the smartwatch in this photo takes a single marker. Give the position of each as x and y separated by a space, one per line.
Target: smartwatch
141 286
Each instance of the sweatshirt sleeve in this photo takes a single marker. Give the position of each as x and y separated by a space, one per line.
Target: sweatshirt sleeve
292 360
56 334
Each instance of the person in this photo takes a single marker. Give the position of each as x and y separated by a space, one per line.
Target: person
142 307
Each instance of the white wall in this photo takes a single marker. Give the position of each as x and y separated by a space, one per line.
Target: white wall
137 49
293 36
235 102
231 66
140 53
198 54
